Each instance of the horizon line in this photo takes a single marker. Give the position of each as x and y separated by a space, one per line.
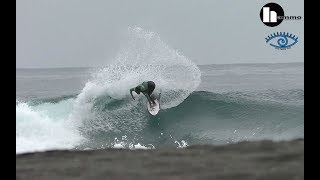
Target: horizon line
66 67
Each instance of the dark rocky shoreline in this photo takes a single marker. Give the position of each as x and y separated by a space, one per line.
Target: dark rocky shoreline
246 160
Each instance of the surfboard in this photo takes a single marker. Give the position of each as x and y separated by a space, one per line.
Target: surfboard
154 108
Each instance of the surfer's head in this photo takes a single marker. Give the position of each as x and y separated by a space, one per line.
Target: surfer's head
138 90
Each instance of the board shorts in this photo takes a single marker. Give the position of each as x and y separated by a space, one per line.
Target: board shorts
151 87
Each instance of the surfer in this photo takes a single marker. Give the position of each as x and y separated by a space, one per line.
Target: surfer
146 88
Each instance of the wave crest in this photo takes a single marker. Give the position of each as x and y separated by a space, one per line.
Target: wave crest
146 57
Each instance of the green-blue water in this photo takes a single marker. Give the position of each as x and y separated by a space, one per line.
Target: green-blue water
271 108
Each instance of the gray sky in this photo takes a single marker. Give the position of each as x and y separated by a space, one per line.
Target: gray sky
64 33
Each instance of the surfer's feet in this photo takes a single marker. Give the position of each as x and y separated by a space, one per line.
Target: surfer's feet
152 105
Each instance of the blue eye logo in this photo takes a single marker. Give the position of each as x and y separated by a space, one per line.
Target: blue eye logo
281 40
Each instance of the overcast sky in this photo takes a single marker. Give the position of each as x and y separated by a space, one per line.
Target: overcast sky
73 33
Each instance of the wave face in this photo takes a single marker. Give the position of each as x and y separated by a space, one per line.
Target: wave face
202 118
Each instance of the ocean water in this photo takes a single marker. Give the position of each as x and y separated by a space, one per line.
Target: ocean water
91 108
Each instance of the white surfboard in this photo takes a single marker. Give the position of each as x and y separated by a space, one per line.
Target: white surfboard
155 108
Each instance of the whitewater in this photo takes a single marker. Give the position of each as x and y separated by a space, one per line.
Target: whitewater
91 108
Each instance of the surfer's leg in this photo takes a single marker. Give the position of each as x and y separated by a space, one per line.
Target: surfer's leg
151 87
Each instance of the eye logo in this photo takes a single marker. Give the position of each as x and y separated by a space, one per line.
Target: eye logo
282 40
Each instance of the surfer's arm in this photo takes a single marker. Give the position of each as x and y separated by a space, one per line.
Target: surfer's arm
132 89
